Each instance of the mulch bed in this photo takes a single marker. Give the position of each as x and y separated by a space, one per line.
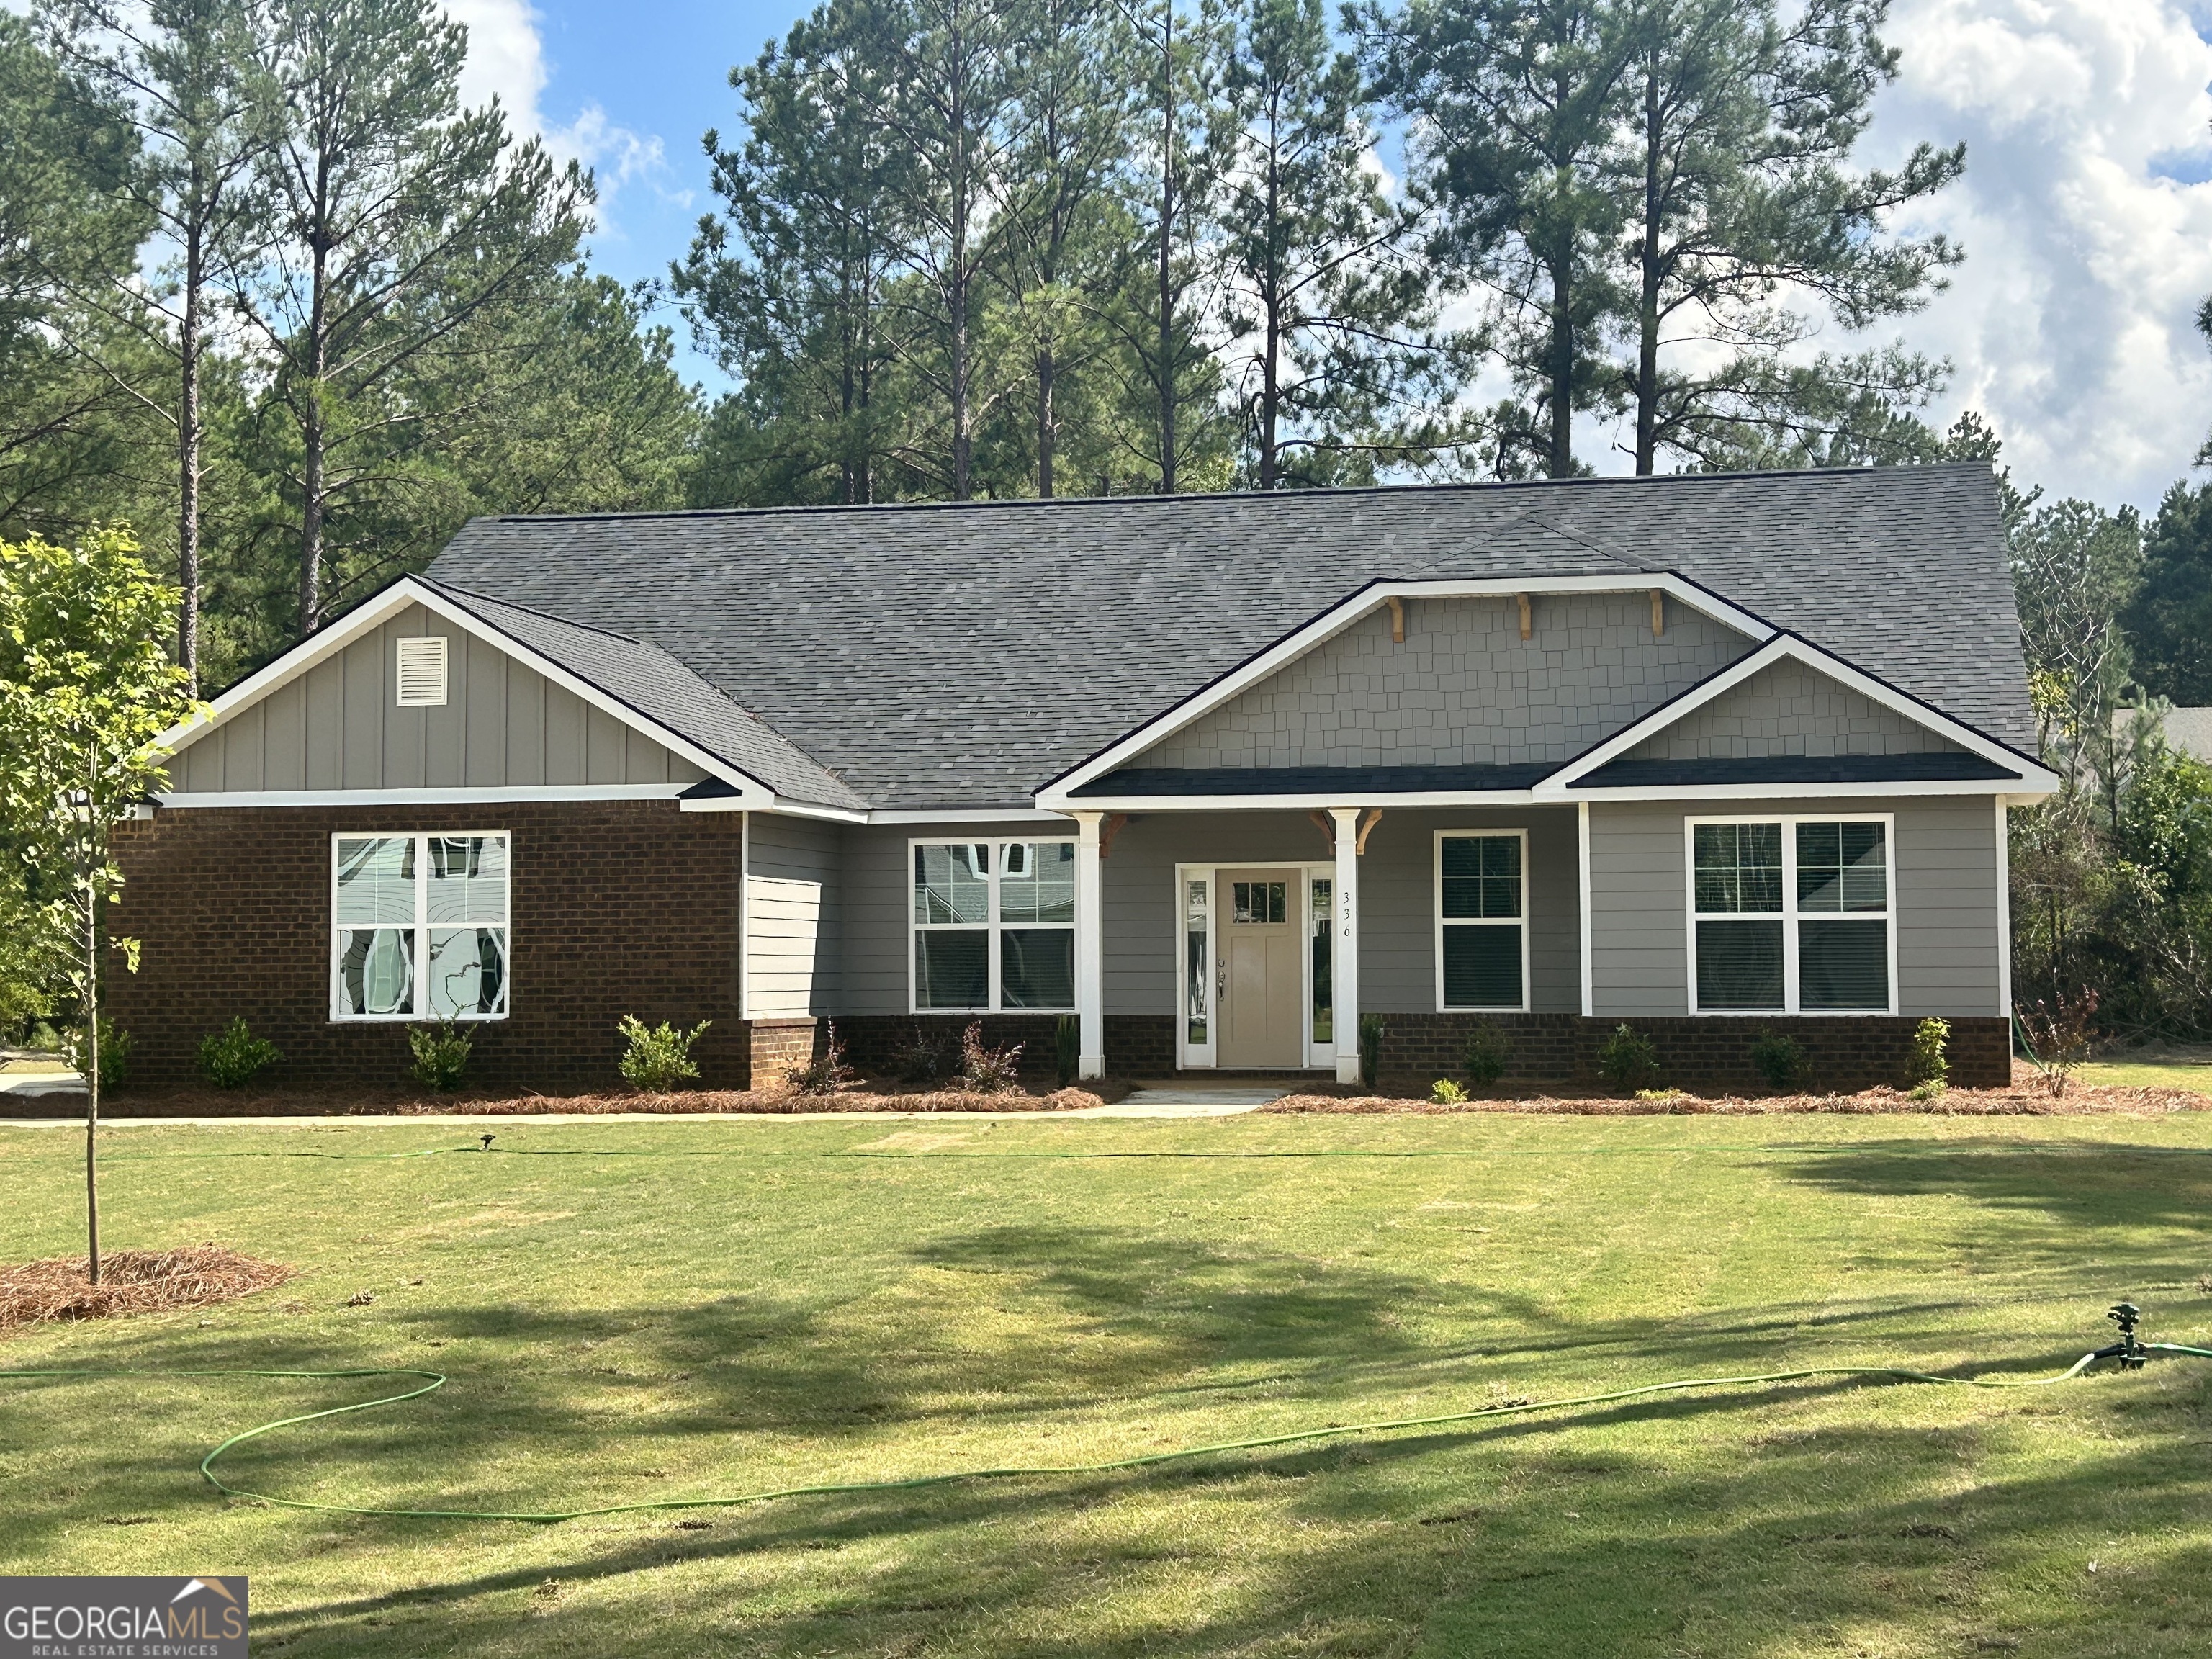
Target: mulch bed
2022 1099
390 1101
131 1282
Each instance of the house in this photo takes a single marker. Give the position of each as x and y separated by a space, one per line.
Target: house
1217 775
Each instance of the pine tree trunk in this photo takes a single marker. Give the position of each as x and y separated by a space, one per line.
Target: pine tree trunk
1562 462
311 470
1272 339
1647 356
1166 371
91 1047
1046 425
188 465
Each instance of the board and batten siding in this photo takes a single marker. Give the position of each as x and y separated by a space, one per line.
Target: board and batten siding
793 917
338 726
1944 864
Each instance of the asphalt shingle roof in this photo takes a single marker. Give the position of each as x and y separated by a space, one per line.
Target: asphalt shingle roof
963 655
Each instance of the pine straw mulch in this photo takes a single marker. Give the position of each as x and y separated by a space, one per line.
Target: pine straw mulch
359 1100
131 1282
2020 1100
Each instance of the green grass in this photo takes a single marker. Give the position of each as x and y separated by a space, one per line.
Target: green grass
634 1311
2149 1075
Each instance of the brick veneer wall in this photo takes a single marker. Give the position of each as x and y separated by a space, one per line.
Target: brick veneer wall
620 907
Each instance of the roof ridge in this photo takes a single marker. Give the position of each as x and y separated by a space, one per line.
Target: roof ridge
537 610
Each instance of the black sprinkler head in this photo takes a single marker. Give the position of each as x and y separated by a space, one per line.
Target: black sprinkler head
487 1137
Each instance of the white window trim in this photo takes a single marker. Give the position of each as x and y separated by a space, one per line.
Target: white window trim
993 926
1789 916
421 925
1437 910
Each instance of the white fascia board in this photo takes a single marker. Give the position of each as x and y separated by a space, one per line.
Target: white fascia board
407 591
1341 616
2002 787
977 815
2034 776
778 805
490 794
1547 797
1301 803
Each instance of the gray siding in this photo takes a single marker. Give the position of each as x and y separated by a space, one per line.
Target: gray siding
1464 688
879 902
1946 903
793 916
1790 708
338 726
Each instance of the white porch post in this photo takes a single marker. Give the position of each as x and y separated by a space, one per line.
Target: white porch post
1345 956
1089 948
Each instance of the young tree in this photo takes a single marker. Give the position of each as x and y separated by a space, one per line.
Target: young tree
1329 312
181 69
85 691
406 216
1515 109
1740 128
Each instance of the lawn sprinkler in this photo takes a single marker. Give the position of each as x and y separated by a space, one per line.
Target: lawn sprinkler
2129 1352
487 1137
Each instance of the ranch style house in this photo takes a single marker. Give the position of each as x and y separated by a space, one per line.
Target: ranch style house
1217 775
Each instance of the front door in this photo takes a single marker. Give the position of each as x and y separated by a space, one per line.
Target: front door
1261 998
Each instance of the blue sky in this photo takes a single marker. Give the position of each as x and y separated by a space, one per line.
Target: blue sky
2086 212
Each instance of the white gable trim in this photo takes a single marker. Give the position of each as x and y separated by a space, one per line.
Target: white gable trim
1056 794
1545 796
2032 775
380 609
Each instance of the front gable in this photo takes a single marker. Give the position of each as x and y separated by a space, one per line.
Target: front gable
1791 708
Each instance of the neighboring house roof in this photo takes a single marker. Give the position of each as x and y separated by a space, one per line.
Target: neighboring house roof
942 655
2190 730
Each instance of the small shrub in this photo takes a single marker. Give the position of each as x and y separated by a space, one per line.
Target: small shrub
1660 1096
2059 1033
825 1074
928 1059
234 1057
988 1071
1932 1067
1627 1060
441 1054
1372 1033
115 1046
1779 1057
1067 1049
1485 1057
659 1057
1445 1092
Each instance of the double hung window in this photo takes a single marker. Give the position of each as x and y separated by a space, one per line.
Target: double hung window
1791 915
1482 934
993 926
419 927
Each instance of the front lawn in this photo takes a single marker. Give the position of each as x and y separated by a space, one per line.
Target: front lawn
641 1310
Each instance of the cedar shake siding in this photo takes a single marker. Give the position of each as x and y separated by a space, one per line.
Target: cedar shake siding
617 908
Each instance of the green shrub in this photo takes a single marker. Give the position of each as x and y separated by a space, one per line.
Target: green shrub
1485 1057
825 1074
441 1054
115 1046
1932 1067
928 1059
1445 1092
234 1057
1067 1049
986 1071
1627 1060
659 1057
1779 1057
1372 1033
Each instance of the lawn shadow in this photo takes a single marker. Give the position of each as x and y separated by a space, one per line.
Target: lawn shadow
2079 1184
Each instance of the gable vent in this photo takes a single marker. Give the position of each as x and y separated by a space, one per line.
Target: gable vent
422 673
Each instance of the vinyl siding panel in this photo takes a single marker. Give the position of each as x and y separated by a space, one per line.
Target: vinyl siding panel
793 917
1638 956
338 726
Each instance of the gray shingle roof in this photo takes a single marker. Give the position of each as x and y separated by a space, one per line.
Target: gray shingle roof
642 675
944 655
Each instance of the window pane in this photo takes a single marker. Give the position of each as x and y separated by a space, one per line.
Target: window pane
376 971
1740 965
1843 965
950 969
1260 901
1738 868
467 879
1323 922
376 879
467 972
1198 969
952 884
1842 866
1037 882
1482 967
1037 968
1481 877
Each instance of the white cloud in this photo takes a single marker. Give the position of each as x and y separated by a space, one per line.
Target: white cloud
507 59
2072 322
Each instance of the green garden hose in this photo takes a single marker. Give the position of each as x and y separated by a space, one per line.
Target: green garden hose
430 1380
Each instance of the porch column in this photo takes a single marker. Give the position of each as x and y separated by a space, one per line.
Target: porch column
1345 955
1089 948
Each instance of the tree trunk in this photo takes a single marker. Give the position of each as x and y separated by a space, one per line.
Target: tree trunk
1562 462
91 1047
962 451
1045 421
311 470
1167 375
1271 299
188 463
1647 356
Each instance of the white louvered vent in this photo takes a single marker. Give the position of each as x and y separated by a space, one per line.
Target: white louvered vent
423 673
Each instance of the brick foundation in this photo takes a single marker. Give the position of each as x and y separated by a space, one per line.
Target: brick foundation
779 1045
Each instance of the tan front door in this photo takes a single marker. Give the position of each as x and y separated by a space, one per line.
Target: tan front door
1263 981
